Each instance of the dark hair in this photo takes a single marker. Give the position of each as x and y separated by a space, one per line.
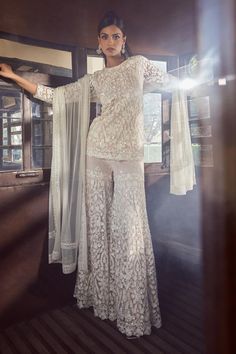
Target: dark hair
111 18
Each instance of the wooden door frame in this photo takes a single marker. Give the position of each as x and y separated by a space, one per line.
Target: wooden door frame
216 30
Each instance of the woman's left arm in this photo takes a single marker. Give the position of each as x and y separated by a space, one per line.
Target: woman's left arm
182 172
157 79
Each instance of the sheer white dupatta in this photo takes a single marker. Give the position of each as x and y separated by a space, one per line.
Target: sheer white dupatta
67 214
182 170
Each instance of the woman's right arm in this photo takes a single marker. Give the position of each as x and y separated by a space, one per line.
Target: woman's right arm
45 93
6 71
40 92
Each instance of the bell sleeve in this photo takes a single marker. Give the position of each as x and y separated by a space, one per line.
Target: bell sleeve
182 170
72 92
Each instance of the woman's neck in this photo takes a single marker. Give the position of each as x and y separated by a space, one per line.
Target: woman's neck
114 61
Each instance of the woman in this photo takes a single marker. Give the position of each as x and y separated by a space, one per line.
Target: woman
120 282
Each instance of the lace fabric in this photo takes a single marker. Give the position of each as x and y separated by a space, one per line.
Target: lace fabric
118 132
121 280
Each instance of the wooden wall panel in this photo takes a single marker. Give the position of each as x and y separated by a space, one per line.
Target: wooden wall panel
27 283
153 26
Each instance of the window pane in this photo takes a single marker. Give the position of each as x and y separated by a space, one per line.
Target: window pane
94 64
203 155
41 134
152 127
42 157
160 64
10 129
200 131
199 108
11 159
153 122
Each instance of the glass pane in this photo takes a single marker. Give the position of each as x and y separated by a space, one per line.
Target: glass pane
41 134
160 64
94 64
42 157
200 131
152 127
41 111
153 122
10 129
10 159
199 108
203 155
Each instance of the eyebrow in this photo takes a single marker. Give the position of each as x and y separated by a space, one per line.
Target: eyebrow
112 34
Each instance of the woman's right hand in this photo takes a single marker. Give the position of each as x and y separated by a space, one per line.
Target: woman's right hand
6 71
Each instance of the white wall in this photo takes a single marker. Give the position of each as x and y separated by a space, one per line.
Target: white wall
36 54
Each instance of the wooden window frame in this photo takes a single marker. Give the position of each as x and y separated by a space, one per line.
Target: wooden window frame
79 68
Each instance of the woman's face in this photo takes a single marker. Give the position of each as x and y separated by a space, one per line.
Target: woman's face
110 40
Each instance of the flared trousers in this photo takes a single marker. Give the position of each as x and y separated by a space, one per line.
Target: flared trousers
121 280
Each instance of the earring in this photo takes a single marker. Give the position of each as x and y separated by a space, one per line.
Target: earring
123 49
99 50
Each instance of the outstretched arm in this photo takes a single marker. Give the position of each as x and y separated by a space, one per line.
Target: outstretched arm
156 79
182 172
41 92
6 71
45 93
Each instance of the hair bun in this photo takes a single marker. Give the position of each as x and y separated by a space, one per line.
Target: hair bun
111 18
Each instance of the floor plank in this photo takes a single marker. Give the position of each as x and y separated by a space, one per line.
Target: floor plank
69 330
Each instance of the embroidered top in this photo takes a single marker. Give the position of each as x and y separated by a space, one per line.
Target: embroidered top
117 133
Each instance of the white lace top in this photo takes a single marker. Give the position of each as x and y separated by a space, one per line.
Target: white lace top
118 132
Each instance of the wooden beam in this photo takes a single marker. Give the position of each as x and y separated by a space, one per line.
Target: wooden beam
217 35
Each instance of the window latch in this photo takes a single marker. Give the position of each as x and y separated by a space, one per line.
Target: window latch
24 174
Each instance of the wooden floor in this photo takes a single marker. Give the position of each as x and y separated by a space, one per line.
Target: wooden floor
69 330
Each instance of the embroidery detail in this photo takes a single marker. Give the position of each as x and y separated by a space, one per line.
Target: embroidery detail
117 134
121 282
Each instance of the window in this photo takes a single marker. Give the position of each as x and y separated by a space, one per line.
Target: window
26 123
32 57
200 75
11 112
41 142
94 64
25 131
153 123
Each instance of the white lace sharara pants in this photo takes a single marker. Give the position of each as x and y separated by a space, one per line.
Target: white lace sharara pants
121 283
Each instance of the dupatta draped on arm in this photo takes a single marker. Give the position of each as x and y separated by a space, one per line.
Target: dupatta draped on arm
67 213
182 170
